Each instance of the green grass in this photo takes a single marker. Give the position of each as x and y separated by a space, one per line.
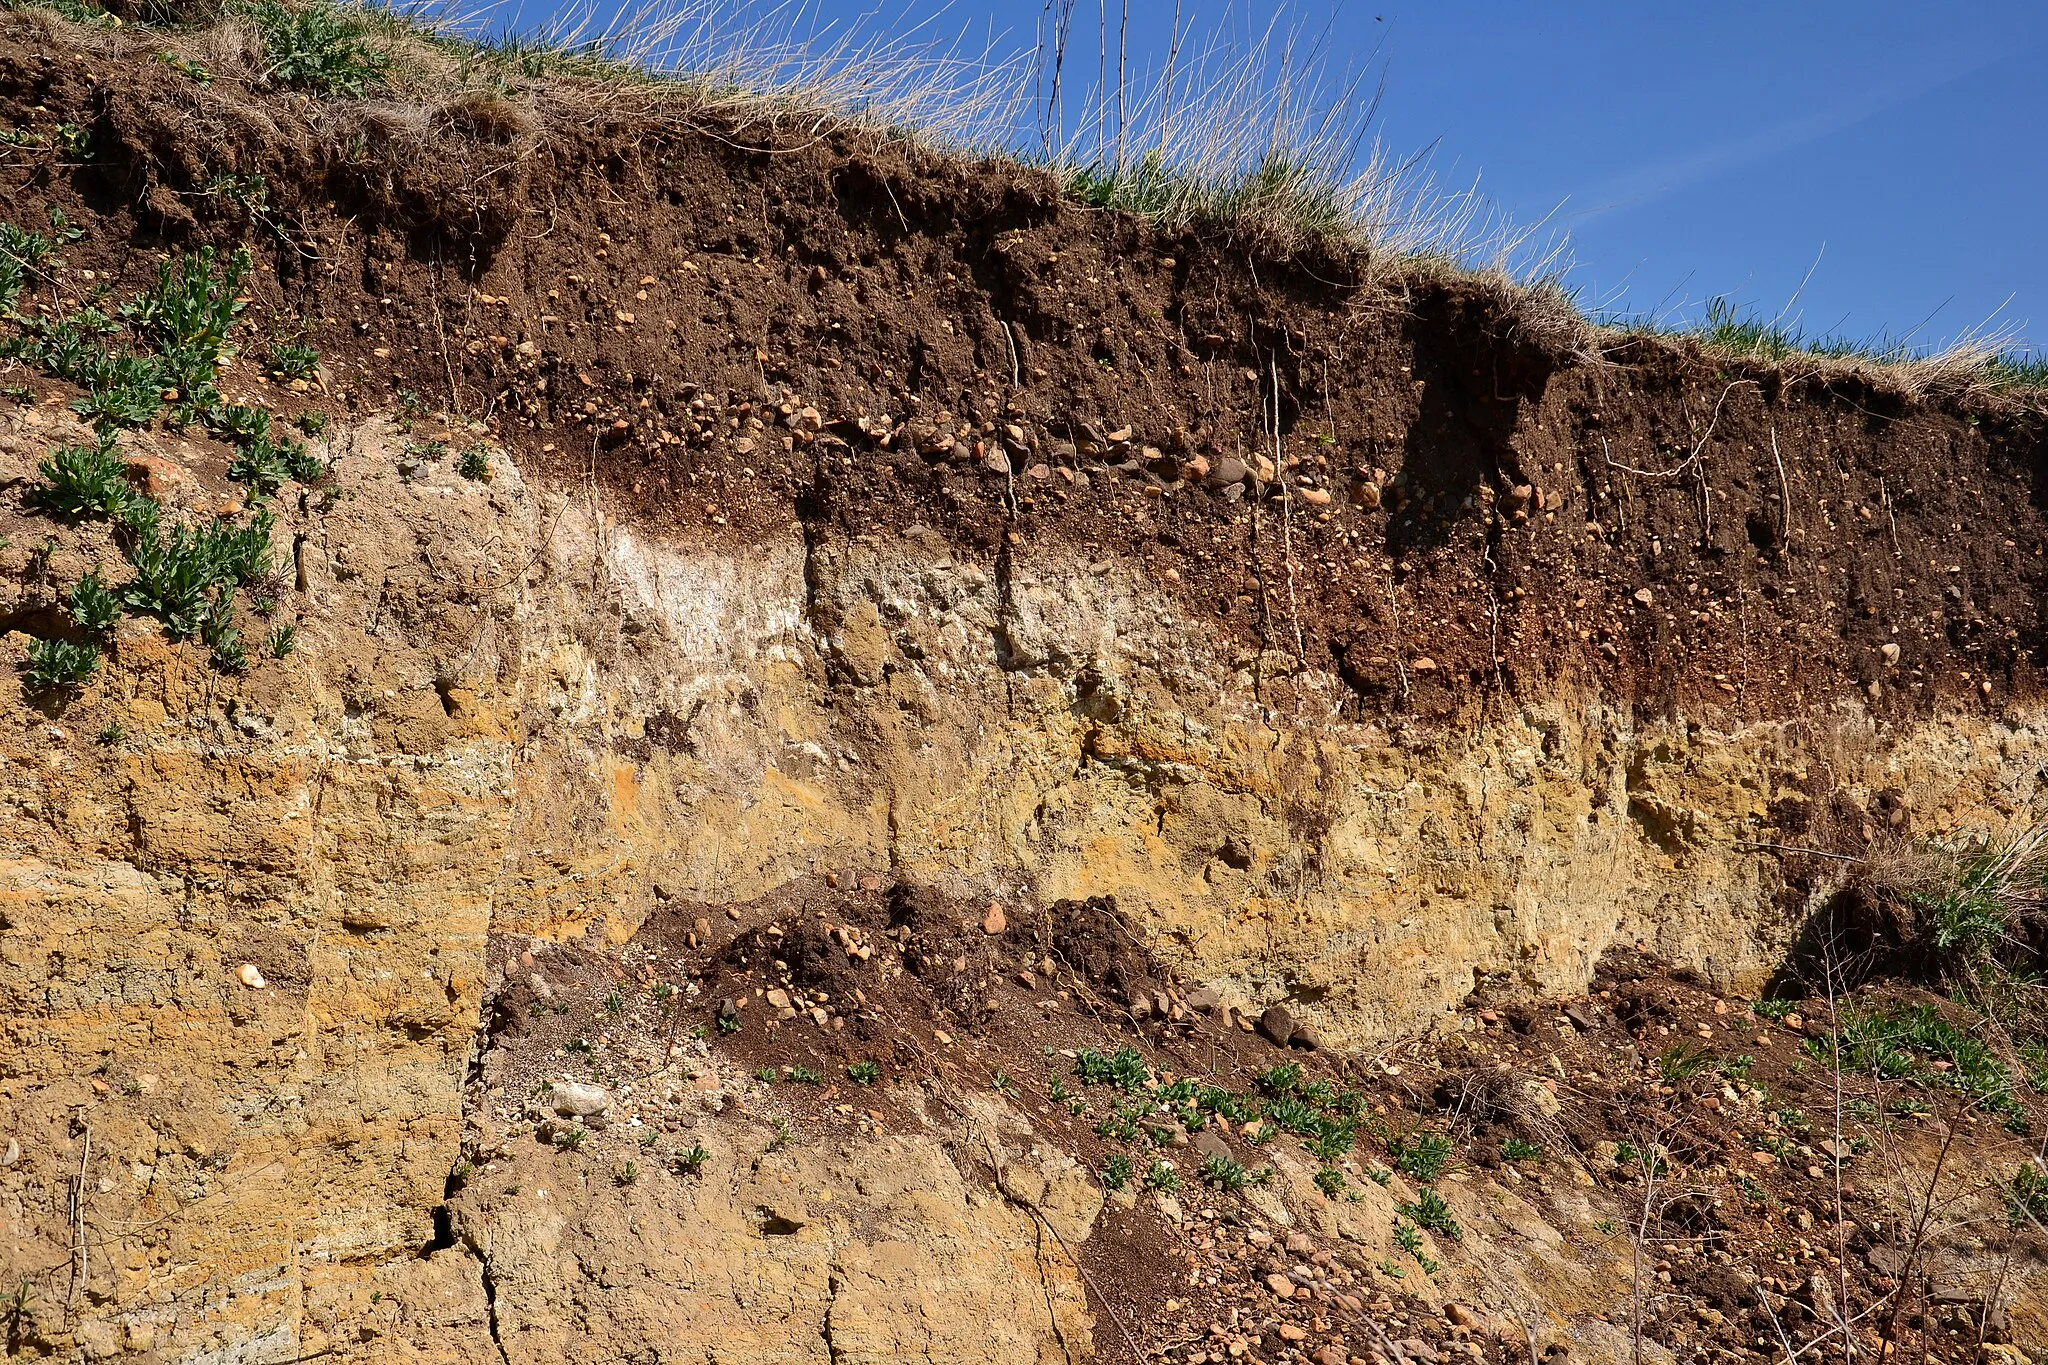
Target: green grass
57 664
1124 1069
1682 1061
1517 1149
2018 370
177 572
2026 1197
1897 1045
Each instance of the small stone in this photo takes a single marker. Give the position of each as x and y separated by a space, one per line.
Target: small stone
1300 1243
1208 1143
777 998
1366 494
12 1154
1229 470
1203 999
1643 597
994 922
1415 1348
1890 652
574 1097
249 976
1329 1355
1277 1025
1282 1287
1424 665
1314 497
1289 1332
1459 1315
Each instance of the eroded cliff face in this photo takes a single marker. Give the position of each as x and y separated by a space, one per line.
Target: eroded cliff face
512 713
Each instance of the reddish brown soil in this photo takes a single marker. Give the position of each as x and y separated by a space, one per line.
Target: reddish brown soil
619 291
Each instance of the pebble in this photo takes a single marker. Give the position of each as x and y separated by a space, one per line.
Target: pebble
250 977
995 922
1277 1025
1282 1287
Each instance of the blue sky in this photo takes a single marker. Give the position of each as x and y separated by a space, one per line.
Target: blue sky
1862 170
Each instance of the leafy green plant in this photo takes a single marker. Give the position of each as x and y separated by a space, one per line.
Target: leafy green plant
474 463
569 1139
177 572
281 641
614 1004
1223 1173
1430 1211
1773 1010
691 1159
1330 1181
121 390
1421 1155
2026 1196
1160 1175
192 71
1125 1068
768 1075
314 47
82 481
93 604
112 733
864 1073
55 664
1278 1080
728 1023
1519 1149
294 360
780 1127
627 1174
312 421
194 304
1682 1061
1116 1171
804 1075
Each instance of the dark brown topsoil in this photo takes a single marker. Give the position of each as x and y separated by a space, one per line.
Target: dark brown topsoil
654 299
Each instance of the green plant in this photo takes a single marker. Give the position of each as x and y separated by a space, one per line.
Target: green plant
768 1075
194 305
281 641
262 464
804 1075
121 390
1421 1155
626 1175
691 1159
579 1044
316 48
81 481
1773 1010
94 605
780 1127
311 421
1682 1061
1430 1211
614 1004
1738 1067
112 733
1116 1171
474 463
2026 1196
569 1139
1125 1068
648 1139
1518 1149
1329 1180
728 1023
864 1073
294 360
1223 1173
192 71
57 664
1160 1175
1002 1083
1278 1080
177 574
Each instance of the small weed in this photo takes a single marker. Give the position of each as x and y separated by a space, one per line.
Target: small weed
662 993
74 140
1773 1010
113 733
803 1075
2026 1196
1003 1084
1223 1173
627 1174
1519 1149
93 604
1606 1227
768 1075
294 360
54 665
1738 1067
864 1073
192 71
648 1139
691 1159
782 1134
281 641
1422 1155
1329 1180
1160 1175
579 1044
728 1023
615 1004
1392 1271
1682 1061
474 463
1278 1080
1116 1171
194 304
311 421
1429 1211
1125 1068
570 1139
317 48
84 481
177 574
